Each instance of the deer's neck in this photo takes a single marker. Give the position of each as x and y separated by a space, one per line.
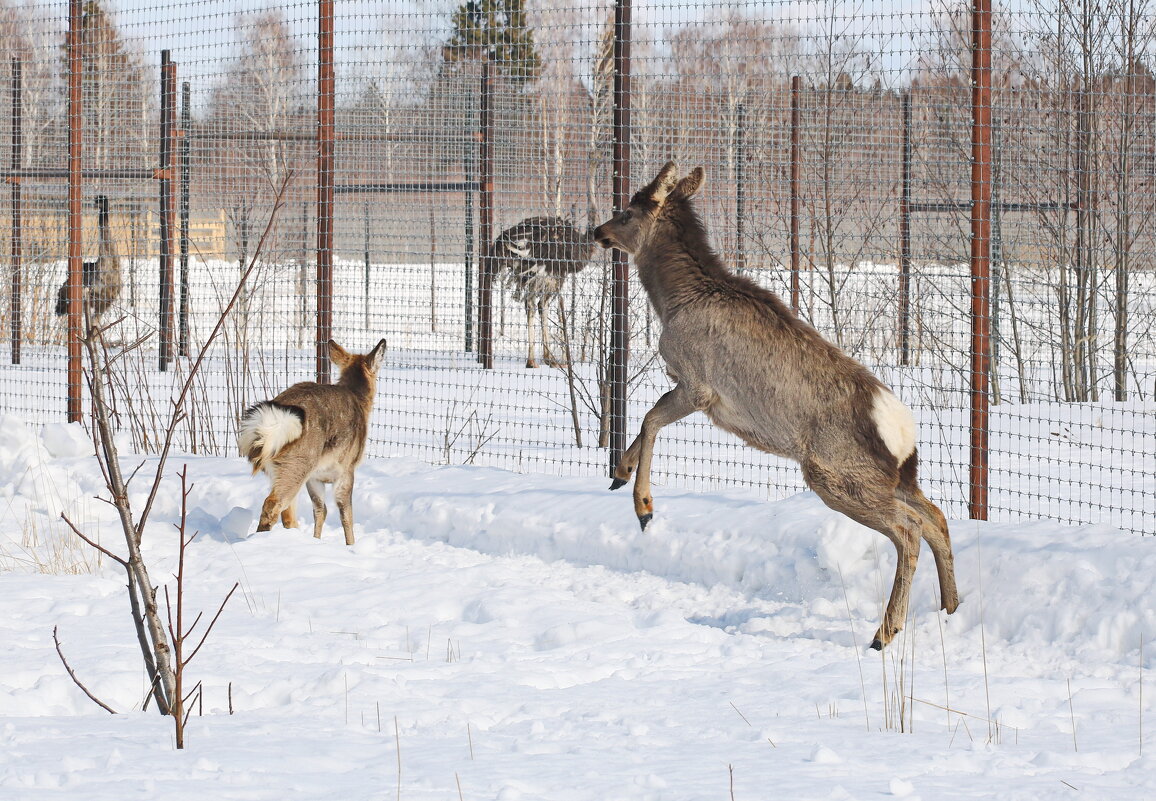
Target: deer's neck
675 270
359 383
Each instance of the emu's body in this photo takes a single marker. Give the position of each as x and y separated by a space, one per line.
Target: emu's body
534 258
100 283
739 355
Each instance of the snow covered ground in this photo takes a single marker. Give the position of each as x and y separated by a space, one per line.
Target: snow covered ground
502 636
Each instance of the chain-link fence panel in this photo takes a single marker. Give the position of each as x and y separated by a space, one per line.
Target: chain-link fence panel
431 174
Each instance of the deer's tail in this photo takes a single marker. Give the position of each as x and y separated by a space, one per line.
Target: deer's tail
266 428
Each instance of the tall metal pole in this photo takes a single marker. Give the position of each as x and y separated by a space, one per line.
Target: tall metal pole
168 125
796 175
486 224
17 232
740 187
905 238
186 160
469 266
366 261
325 155
619 265
981 164
75 194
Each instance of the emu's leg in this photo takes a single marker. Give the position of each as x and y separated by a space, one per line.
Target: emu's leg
674 405
317 496
530 360
343 494
867 496
543 320
933 528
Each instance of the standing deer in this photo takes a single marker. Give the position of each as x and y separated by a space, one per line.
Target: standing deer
739 355
100 280
313 434
535 257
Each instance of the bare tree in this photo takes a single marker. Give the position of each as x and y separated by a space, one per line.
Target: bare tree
1129 126
162 647
255 116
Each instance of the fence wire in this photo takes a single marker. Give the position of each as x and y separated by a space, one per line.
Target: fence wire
836 139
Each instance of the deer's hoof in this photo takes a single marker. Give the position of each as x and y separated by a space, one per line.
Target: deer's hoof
618 482
263 527
644 519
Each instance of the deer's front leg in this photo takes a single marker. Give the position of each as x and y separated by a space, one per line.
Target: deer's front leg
672 406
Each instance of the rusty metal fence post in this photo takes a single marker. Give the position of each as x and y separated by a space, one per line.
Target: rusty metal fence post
740 187
619 357
186 157
796 175
325 156
471 180
980 257
486 220
165 174
905 237
17 240
75 193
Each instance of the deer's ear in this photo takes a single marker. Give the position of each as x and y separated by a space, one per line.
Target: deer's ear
688 187
660 187
375 356
338 354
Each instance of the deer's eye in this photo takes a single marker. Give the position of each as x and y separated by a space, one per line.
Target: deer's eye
626 215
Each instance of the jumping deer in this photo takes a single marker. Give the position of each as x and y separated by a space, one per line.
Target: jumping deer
738 354
100 280
534 258
313 434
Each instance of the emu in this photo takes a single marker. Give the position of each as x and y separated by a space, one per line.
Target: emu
534 258
100 280
738 354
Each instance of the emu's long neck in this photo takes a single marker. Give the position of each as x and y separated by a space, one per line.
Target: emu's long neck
105 250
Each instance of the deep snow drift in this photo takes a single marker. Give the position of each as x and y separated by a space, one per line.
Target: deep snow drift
503 636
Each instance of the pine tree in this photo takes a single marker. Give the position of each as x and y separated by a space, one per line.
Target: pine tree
495 29
116 90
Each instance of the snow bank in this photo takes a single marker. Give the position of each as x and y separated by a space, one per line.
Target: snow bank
518 636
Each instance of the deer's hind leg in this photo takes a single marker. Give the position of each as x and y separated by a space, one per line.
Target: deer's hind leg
316 489
674 405
867 496
282 499
343 495
933 528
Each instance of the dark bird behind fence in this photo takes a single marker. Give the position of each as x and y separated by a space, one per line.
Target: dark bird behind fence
534 259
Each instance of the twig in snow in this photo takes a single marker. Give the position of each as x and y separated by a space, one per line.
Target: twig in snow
75 680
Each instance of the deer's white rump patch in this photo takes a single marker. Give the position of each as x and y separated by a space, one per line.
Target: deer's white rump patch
895 424
270 427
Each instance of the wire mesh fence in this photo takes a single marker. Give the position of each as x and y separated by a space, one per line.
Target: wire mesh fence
837 140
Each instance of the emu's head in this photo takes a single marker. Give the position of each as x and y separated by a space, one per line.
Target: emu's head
633 227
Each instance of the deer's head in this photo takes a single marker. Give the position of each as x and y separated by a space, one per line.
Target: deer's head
633 227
